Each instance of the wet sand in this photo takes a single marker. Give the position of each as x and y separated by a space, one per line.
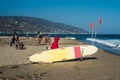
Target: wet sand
14 64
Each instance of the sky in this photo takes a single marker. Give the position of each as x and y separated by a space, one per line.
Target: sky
78 13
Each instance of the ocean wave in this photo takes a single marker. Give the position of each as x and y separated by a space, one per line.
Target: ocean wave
108 42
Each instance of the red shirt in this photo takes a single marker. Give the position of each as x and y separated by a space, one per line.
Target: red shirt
55 43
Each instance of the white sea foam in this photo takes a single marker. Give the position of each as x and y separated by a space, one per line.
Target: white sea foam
71 38
107 42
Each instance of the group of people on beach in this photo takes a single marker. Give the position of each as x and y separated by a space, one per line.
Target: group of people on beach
54 45
20 45
15 40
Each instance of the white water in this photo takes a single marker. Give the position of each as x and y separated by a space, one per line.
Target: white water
71 38
114 43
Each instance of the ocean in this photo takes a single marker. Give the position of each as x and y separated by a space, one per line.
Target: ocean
110 43
107 42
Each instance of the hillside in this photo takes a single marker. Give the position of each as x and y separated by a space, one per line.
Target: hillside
22 24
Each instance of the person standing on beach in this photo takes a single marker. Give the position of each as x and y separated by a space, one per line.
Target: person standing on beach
11 41
47 41
18 44
55 43
39 37
14 39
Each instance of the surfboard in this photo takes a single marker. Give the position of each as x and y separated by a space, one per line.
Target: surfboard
64 53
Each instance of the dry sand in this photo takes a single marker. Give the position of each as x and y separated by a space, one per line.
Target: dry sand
14 64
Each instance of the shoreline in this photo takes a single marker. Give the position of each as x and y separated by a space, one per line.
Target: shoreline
14 64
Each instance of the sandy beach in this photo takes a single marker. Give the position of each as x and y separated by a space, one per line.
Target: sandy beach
14 64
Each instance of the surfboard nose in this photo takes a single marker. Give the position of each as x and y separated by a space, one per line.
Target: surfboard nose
89 50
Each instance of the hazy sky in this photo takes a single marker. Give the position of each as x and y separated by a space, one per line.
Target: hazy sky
79 13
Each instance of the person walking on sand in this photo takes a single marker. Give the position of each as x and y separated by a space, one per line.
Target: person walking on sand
55 43
39 37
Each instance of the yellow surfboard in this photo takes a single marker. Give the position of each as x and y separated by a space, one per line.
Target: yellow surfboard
62 54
